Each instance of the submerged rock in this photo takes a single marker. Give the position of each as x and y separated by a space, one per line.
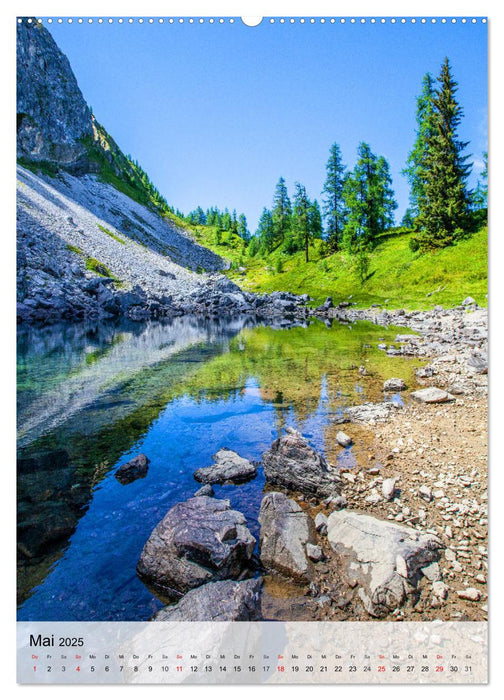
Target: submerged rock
220 601
293 464
198 541
285 532
136 468
432 394
386 559
229 467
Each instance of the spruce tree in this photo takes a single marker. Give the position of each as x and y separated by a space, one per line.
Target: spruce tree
369 200
315 215
416 163
333 200
243 231
281 213
301 219
265 231
385 197
443 213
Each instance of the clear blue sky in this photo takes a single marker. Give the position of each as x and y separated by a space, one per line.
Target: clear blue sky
217 113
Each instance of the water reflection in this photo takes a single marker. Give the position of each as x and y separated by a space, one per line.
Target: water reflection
91 396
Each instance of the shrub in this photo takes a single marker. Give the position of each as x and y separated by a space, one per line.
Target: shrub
414 244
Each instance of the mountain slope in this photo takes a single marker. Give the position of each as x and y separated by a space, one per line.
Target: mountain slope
95 237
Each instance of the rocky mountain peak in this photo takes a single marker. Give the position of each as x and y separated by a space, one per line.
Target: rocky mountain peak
53 119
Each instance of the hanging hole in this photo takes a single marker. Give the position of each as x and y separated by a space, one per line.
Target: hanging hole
252 21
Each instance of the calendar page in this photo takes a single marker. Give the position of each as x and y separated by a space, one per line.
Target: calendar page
252 362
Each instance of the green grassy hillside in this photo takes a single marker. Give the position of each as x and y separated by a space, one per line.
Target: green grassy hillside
397 276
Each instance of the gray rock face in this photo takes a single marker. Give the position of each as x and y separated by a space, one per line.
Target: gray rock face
229 467
285 532
386 559
394 384
198 541
136 468
432 395
52 115
293 464
220 601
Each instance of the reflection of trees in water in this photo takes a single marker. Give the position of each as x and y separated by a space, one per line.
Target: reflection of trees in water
89 392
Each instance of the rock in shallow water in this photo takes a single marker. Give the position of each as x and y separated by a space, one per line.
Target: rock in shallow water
220 601
198 541
386 559
293 464
136 468
343 439
285 532
394 384
229 467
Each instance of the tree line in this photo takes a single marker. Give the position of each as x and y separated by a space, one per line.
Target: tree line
358 205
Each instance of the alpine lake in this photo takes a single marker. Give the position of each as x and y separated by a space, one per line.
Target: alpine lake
93 395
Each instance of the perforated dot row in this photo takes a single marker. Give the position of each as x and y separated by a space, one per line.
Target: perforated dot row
272 20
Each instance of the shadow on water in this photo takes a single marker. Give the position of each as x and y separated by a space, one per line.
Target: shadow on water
92 395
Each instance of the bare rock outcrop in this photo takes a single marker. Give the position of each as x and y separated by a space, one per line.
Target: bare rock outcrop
384 558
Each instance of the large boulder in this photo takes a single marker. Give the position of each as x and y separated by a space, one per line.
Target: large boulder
229 468
220 601
384 558
293 464
198 541
285 532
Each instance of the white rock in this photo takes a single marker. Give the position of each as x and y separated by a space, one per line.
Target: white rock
314 552
425 493
432 395
432 572
343 439
440 590
320 522
388 488
469 594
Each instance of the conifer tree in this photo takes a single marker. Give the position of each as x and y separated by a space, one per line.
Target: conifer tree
484 174
265 231
282 212
386 203
443 212
369 200
301 219
333 200
316 228
243 231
